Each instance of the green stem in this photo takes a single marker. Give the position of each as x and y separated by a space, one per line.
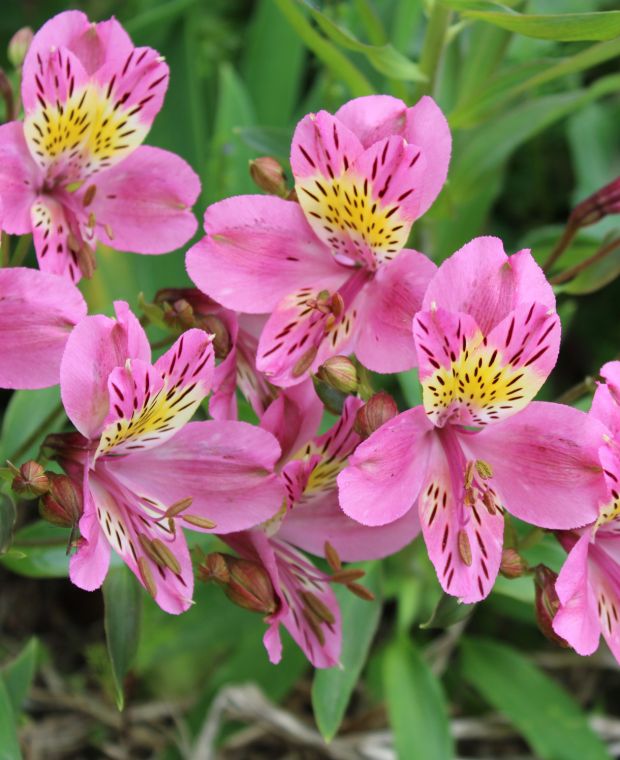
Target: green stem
5 246
43 426
434 41
21 250
336 61
602 252
587 385
567 236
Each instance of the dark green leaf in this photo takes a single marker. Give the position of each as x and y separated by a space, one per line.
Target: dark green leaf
39 551
18 674
332 689
9 743
416 705
447 612
123 603
25 413
7 521
267 141
549 719
594 277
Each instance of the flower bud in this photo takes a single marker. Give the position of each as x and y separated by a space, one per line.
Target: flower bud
221 337
547 603
30 480
179 314
246 583
512 565
62 505
375 412
340 373
18 46
269 175
601 203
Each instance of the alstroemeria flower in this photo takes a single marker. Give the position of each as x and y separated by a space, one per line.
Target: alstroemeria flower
74 172
588 585
147 471
486 339
332 269
37 313
307 606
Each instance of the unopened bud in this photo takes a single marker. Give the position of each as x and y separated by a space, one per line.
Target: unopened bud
375 412
246 583
513 565
62 505
547 603
269 175
340 373
601 203
30 480
221 337
18 46
179 314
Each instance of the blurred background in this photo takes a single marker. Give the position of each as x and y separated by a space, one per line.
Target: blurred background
535 127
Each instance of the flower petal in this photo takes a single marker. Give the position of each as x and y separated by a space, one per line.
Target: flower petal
225 467
464 539
259 249
37 313
51 233
148 405
385 474
384 341
372 118
19 180
576 620
89 566
545 464
482 281
96 346
144 204
293 417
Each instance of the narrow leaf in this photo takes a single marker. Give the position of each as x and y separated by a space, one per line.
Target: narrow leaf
332 689
549 719
19 673
122 597
447 612
565 27
7 521
9 743
416 704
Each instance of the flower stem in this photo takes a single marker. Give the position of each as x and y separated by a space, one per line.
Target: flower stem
567 236
587 385
602 252
434 41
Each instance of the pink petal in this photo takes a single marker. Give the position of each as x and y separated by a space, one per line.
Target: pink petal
37 313
606 401
428 128
384 476
143 205
577 621
604 576
482 281
464 539
96 346
19 180
89 565
384 341
148 405
51 231
372 118
225 467
259 249
545 464
293 417
322 147
309 526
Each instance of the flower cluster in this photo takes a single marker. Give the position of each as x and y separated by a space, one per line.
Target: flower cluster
287 289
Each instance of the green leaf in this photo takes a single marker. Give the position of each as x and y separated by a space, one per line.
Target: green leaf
416 704
26 412
123 604
549 719
565 27
384 58
447 612
595 277
9 743
332 689
7 521
410 386
267 141
39 551
18 674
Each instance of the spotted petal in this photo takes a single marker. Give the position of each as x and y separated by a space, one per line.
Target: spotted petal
463 528
52 233
148 405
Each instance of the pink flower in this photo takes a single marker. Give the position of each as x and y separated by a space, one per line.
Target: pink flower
486 339
74 172
37 313
332 269
148 471
588 585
